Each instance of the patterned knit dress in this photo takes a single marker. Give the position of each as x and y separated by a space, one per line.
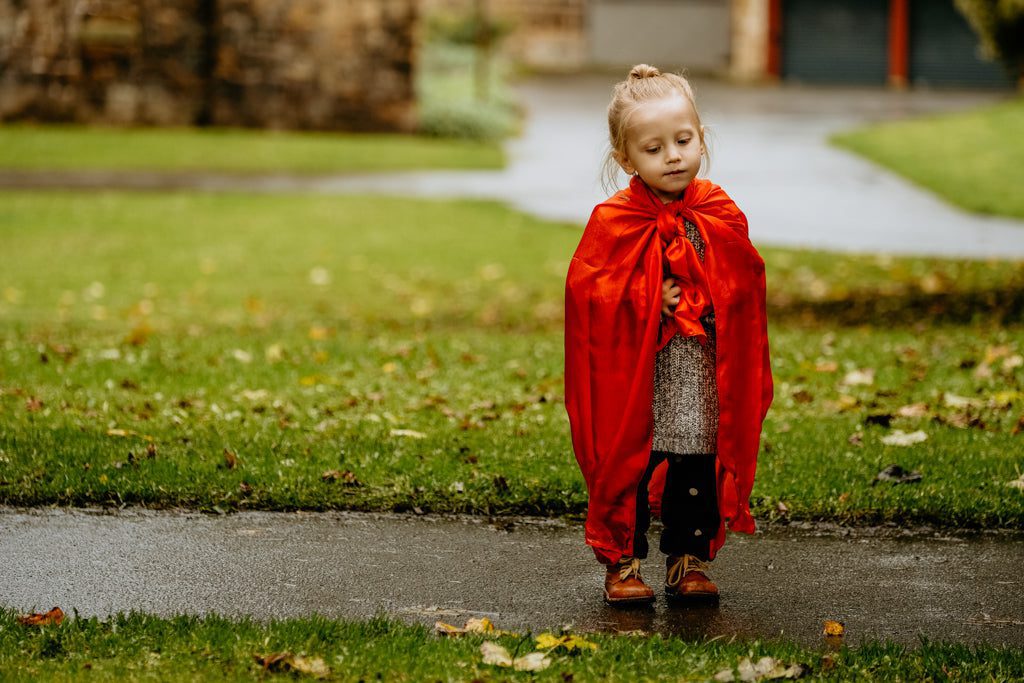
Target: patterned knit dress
685 394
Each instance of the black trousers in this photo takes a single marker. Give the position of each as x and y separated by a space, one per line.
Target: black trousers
689 506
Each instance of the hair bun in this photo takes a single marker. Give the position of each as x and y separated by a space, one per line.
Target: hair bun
644 71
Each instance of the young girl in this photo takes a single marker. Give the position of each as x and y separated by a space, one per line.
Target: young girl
667 379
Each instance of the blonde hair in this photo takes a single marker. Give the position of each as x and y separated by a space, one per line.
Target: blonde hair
644 83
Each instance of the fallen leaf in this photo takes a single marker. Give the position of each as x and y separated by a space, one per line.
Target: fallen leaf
445 629
33 404
284 662
901 438
535 661
826 366
568 642
725 676
834 629
495 654
802 396
913 410
230 459
859 377
410 433
1011 362
242 356
954 401
1017 483
480 625
856 439
347 477
897 474
54 617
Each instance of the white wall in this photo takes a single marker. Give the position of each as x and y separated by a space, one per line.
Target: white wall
670 34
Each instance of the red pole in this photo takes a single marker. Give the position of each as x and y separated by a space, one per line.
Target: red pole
899 43
774 38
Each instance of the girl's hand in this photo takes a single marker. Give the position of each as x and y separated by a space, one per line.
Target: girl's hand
670 292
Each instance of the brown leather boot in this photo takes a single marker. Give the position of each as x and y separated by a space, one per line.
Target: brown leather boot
623 585
686 580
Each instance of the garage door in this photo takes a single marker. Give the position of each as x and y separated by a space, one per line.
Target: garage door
945 51
835 41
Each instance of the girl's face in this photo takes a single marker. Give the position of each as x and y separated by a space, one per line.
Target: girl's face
664 145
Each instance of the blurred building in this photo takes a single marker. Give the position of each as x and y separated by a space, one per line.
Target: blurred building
879 42
321 64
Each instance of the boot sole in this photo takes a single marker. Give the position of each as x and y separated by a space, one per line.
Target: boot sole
627 602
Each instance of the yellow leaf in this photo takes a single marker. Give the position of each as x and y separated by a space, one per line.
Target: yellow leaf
834 629
444 629
481 625
549 641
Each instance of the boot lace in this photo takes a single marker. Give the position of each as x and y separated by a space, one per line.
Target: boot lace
627 567
683 566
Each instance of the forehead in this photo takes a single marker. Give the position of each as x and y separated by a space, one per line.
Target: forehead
672 112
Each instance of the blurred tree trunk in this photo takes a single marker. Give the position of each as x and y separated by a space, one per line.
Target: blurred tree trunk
208 17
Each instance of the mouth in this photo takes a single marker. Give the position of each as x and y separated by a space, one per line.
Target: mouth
675 173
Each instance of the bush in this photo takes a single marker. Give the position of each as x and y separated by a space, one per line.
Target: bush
1000 26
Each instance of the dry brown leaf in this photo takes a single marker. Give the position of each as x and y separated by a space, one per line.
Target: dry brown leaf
33 404
913 410
283 662
139 334
54 617
230 459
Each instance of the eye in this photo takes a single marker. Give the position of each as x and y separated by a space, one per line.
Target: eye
684 141
652 150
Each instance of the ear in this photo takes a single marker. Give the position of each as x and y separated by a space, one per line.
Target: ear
703 149
623 161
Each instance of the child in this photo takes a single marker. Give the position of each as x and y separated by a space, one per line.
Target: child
667 379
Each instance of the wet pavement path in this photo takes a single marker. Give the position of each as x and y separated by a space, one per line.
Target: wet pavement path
523 574
769 150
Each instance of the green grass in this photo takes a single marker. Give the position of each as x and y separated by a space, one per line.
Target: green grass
136 647
974 159
418 345
25 147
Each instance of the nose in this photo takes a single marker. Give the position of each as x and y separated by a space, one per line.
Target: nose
674 153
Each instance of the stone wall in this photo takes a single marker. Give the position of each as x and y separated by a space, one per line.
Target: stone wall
316 64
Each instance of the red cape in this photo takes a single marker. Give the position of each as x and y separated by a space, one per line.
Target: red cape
614 327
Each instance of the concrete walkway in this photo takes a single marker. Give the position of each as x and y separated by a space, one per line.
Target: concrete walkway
523 574
769 145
